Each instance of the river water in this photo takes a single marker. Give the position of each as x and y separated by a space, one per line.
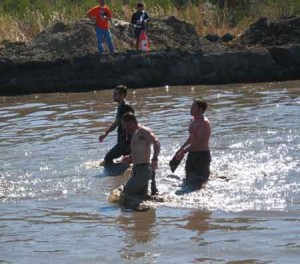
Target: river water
54 206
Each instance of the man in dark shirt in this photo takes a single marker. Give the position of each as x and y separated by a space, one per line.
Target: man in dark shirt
123 145
139 20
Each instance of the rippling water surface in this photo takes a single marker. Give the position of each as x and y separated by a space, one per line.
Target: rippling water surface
54 204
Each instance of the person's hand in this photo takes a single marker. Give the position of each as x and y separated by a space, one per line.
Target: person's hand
102 137
154 165
126 159
180 154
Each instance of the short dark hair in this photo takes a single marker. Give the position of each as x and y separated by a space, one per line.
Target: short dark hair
129 116
122 89
140 4
201 104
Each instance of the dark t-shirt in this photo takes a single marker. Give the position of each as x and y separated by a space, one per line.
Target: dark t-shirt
138 19
122 109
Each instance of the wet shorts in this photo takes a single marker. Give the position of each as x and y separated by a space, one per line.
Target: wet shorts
197 168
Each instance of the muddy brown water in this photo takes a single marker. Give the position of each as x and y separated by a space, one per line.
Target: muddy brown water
54 206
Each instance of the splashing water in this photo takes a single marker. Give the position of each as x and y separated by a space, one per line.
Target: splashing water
49 145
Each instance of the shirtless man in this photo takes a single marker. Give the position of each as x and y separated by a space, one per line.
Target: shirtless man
197 146
141 140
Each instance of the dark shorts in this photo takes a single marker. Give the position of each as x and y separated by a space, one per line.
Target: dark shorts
137 185
197 168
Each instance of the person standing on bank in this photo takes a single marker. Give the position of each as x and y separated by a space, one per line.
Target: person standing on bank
143 170
139 20
123 144
101 14
197 165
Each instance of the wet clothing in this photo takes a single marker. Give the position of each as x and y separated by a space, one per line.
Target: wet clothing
197 168
122 109
122 148
137 185
138 20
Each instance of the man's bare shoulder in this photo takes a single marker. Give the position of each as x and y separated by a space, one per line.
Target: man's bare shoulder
147 133
145 130
206 121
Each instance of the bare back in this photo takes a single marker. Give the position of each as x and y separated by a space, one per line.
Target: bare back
200 130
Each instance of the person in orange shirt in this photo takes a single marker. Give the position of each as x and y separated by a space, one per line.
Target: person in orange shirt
101 14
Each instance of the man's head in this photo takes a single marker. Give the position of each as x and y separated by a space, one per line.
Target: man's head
119 93
129 123
102 2
140 6
198 107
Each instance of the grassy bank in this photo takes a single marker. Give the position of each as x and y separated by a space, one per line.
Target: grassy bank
21 20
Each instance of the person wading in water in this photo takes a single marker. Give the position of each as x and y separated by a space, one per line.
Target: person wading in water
123 144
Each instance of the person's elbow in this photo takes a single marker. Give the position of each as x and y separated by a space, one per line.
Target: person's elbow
89 16
157 144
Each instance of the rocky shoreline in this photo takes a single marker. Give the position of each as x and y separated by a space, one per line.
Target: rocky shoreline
65 58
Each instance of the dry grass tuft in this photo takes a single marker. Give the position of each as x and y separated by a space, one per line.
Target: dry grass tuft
207 18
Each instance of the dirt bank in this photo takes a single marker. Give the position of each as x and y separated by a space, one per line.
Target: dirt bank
65 57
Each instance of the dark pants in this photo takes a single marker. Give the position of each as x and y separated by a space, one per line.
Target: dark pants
120 149
137 32
197 168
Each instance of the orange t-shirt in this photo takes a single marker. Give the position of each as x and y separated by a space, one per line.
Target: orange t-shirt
98 12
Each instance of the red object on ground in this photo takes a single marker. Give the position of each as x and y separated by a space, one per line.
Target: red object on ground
144 44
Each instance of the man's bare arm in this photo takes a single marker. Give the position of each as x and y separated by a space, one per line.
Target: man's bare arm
186 143
156 148
110 129
184 149
113 126
152 138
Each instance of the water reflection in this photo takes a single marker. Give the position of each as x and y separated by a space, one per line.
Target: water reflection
140 227
140 230
198 221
